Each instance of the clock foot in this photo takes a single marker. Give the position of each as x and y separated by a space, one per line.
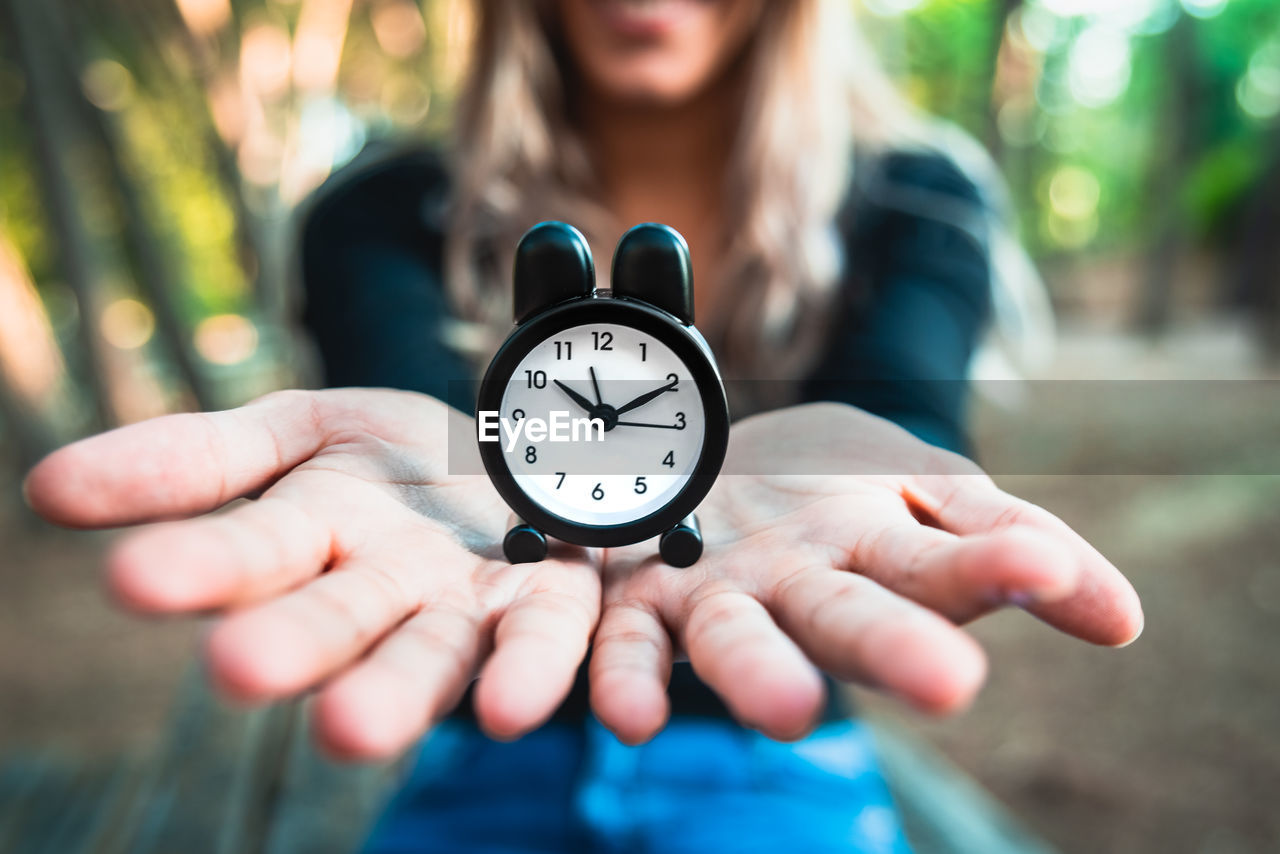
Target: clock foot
524 544
682 545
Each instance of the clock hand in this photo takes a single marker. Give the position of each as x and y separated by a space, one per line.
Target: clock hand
657 426
577 398
595 385
645 398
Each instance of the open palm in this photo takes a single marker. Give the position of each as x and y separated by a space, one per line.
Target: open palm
836 540
364 567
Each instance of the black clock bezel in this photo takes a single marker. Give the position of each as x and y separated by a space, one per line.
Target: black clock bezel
663 327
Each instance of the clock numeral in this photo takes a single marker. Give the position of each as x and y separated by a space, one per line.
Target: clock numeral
644 352
536 379
560 482
531 454
641 486
669 460
517 415
598 493
673 381
679 420
567 350
603 340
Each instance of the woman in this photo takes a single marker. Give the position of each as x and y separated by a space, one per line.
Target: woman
835 258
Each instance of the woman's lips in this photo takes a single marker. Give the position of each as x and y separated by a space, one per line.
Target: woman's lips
646 19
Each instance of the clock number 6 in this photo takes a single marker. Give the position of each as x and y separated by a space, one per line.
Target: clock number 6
597 493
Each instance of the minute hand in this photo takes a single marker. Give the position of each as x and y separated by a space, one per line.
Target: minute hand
645 398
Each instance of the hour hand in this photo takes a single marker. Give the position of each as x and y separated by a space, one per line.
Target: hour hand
586 404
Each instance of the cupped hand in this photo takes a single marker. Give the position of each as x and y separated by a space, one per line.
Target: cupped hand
836 541
364 568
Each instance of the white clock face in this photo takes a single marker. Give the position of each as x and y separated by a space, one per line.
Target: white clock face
639 391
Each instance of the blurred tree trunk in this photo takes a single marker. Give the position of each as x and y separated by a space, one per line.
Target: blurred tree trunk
1004 9
32 370
1181 132
25 434
152 274
159 24
52 131
1256 267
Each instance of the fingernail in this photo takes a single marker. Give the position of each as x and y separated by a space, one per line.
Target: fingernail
1131 641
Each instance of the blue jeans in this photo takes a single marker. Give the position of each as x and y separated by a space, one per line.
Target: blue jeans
700 786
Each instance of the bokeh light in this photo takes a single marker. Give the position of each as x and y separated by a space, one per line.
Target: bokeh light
1019 123
205 17
108 85
1258 92
1074 193
1071 196
891 8
226 339
399 28
1204 8
127 324
1100 66
265 59
405 98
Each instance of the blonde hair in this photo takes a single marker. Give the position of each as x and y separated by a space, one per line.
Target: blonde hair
814 92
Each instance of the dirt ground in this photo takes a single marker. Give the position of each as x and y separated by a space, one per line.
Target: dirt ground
1170 745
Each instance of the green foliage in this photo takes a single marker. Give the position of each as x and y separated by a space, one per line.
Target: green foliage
950 46
1111 127
1178 117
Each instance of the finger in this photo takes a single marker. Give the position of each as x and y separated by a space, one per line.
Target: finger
763 677
630 668
1105 608
285 646
176 465
242 555
412 679
964 577
856 630
538 644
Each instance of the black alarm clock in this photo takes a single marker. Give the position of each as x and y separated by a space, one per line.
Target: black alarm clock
602 419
